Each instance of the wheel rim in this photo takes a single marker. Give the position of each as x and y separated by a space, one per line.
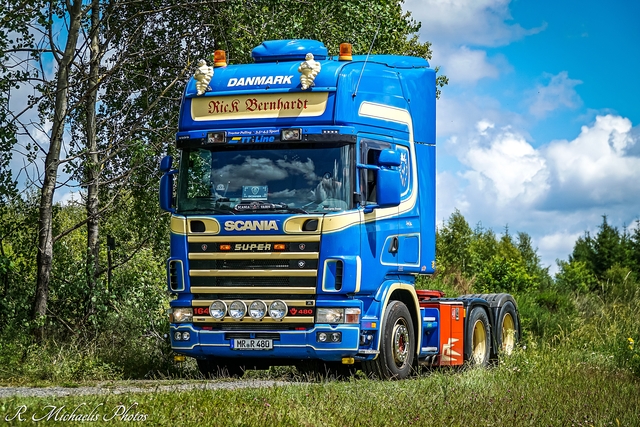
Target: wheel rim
479 342
508 334
400 342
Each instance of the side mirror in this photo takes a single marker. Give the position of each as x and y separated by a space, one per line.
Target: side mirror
388 188
166 163
389 158
167 201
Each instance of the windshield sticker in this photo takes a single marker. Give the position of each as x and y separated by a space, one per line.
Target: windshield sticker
254 192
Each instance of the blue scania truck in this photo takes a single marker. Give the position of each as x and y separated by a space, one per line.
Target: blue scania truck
302 213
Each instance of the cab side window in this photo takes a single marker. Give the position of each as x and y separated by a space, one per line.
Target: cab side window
370 175
370 153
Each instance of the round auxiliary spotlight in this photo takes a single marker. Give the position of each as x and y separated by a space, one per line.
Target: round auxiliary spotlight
218 309
237 310
277 310
257 310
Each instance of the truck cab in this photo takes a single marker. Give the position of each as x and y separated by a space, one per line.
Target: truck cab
302 211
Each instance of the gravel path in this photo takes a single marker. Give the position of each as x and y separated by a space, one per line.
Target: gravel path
136 387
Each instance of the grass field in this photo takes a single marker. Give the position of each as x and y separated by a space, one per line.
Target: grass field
534 387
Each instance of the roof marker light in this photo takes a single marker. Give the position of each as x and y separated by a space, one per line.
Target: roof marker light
219 58
345 52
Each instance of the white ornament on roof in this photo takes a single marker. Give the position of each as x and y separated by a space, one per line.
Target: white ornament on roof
203 76
308 70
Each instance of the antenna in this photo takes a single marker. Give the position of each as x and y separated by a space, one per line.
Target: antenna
365 60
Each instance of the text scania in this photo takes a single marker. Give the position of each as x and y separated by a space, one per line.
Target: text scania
260 80
250 225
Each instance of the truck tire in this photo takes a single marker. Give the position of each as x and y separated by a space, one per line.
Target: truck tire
219 368
397 345
478 337
507 328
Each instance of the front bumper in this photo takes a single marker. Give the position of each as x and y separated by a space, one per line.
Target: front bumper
293 345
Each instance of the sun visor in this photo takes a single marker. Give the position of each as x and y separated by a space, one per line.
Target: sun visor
289 50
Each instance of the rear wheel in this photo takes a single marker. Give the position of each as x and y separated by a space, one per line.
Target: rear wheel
478 337
397 345
507 328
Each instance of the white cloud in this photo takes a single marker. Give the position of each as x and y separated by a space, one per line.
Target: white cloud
460 114
457 28
482 126
464 65
553 192
559 92
467 22
509 167
595 168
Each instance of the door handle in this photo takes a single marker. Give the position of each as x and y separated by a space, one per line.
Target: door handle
393 249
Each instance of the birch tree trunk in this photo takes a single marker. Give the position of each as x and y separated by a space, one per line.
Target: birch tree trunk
52 162
92 165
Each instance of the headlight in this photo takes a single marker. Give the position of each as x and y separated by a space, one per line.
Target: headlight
257 310
218 309
237 310
277 310
182 315
330 315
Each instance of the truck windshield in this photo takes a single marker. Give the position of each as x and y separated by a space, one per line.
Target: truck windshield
301 177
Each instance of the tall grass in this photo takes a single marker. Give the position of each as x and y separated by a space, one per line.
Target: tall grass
540 386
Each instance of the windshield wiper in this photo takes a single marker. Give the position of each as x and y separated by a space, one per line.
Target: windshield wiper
260 206
211 209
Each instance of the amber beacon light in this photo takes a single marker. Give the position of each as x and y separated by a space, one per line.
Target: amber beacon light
219 58
345 52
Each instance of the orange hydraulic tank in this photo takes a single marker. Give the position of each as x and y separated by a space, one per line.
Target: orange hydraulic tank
451 327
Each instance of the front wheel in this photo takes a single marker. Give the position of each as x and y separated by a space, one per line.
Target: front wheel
397 345
478 337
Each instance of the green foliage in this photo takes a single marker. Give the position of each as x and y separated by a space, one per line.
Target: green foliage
502 274
605 264
123 337
475 261
576 277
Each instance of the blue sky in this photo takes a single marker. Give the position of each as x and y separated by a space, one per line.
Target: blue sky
538 127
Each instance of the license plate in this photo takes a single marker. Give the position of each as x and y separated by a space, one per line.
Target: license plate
251 344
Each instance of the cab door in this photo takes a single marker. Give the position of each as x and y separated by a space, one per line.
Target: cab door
379 226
